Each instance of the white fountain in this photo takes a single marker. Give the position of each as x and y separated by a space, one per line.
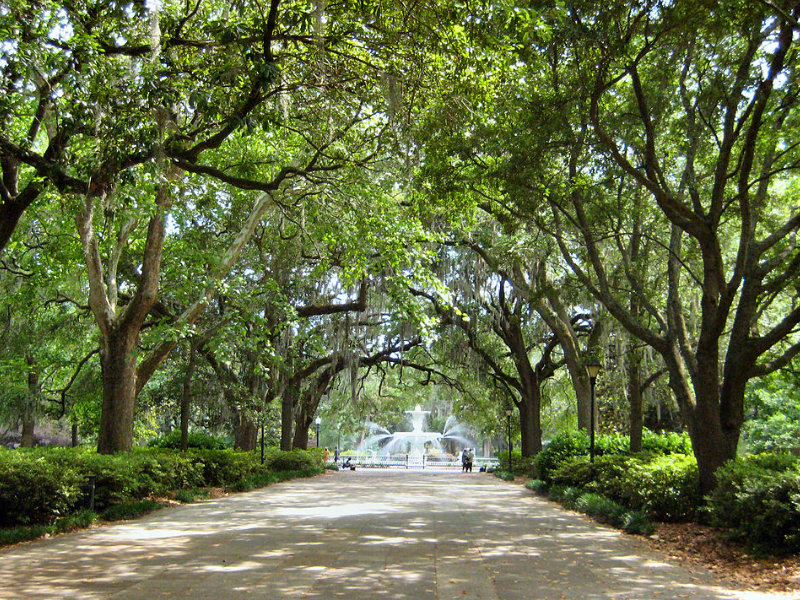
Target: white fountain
413 442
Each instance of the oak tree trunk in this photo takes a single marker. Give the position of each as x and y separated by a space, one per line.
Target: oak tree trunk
287 416
26 440
634 385
29 408
245 431
186 399
118 364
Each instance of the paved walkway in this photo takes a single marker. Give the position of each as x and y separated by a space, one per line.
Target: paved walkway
356 535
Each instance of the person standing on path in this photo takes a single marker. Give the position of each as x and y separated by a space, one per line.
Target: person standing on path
466 460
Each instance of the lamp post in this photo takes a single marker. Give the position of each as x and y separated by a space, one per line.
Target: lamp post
262 441
338 441
509 411
593 368
317 421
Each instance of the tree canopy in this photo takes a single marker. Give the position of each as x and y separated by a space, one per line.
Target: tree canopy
289 206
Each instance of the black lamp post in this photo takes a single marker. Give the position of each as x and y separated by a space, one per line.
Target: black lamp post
338 440
317 421
509 412
262 441
593 368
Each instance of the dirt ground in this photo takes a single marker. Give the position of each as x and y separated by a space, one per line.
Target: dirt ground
690 543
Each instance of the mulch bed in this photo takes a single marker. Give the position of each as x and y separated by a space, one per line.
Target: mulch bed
701 545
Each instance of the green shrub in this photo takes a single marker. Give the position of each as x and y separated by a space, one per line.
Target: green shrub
23 533
636 522
665 487
611 444
266 478
602 508
295 460
666 443
79 520
757 499
504 475
559 493
195 439
40 484
33 489
130 510
570 496
225 467
537 485
565 445
187 496
521 465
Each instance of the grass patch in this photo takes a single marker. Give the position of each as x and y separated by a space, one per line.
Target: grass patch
537 485
599 507
134 509
130 510
79 520
187 496
14 535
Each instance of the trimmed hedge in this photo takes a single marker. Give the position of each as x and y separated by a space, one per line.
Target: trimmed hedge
757 500
570 444
664 487
596 505
40 484
34 489
195 439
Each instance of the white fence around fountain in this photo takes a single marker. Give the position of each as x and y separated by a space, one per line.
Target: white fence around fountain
411 461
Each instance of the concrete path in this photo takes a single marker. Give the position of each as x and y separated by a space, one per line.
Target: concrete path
356 535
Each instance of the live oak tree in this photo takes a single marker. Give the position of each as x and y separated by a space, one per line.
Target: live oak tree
695 105
689 111
123 108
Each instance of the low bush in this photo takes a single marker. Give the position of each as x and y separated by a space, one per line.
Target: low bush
598 506
572 444
34 489
565 445
40 484
22 533
130 510
504 475
221 468
195 439
757 499
78 520
521 465
664 487
268 478
636 522
133 475
537 485
187 496
295 460
668 442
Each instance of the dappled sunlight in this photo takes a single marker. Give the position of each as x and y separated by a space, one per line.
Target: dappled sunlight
356 535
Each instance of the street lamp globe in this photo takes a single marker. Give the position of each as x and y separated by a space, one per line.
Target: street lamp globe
593 368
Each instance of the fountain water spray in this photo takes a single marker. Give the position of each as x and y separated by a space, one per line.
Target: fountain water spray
413 442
